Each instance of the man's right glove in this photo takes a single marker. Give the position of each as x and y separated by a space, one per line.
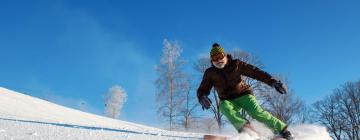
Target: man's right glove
279 87
205 102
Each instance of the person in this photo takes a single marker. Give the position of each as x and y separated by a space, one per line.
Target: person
235 95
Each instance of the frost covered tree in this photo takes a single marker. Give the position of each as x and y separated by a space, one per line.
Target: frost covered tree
170 94
187 116
114 101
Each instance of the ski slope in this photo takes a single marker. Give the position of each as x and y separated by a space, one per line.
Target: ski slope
23 117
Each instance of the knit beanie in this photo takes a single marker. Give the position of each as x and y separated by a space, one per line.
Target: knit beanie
216 49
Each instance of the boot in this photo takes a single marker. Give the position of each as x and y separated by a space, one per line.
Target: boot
286 134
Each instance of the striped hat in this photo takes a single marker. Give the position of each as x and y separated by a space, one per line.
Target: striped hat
216 49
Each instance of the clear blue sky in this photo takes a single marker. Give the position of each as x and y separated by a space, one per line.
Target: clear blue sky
76 50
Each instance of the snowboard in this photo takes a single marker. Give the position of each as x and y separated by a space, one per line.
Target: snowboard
216 137
278 138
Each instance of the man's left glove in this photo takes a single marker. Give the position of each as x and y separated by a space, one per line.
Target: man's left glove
279 87
205 102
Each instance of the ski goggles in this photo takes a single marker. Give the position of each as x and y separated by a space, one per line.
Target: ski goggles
218 57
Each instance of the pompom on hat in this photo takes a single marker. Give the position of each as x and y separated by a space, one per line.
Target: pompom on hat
216 49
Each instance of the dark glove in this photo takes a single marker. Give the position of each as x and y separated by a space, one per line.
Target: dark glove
279 87
205 102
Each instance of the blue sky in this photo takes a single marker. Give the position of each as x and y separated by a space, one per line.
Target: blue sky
74 51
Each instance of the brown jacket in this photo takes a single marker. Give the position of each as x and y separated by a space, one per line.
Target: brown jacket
228 82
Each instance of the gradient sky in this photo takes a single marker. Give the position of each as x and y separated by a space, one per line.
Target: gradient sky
74 51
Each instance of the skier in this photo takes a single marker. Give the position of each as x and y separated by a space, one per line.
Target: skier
235 95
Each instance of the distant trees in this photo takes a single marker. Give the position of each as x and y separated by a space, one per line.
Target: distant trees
114 100
82 105
340 112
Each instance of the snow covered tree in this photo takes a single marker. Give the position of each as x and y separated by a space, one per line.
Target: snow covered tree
170 83
114 101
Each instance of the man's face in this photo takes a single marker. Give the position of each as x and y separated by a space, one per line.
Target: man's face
219 60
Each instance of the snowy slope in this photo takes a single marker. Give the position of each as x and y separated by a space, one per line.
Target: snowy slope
26 117
23 117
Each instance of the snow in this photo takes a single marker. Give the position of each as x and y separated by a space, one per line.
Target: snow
23 117
30 118
301 132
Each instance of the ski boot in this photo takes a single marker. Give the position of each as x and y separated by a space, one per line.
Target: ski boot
286 135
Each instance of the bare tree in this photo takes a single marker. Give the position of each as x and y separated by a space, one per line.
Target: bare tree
114 100
258 87
325 112
304 116
286 107
209 125
250 59
170 83
190 104
201 65
340 112
349 100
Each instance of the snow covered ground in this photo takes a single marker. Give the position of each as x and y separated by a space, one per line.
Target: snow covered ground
23 117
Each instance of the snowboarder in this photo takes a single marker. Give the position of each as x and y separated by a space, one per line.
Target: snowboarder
235 95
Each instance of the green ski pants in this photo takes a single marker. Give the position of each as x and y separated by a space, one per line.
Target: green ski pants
231 109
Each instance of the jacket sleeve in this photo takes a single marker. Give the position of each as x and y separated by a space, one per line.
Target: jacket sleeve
255 73
205 85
